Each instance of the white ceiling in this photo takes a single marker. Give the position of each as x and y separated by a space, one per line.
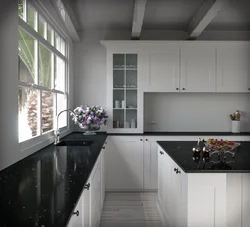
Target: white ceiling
169 14
159 14
234 15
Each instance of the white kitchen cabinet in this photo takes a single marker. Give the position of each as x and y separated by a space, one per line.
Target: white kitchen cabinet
87 212
103 173
77 218
163 68
233 68
150 160
171 181
95 195
124 163
190 199
198 67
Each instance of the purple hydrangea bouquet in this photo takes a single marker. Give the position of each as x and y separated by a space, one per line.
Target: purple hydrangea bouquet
89 118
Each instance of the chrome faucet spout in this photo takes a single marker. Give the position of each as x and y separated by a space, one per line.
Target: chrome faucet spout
57 131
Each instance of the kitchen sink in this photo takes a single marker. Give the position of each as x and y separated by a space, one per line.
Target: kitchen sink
75 143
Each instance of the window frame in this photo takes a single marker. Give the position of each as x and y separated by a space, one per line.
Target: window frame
41 137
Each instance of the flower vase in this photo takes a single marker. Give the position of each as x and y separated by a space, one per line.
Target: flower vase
90 129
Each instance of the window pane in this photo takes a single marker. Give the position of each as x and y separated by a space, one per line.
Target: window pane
59 74
47 111
44 66
50 35
59 43
20 8
62 105
26 53
27 113
31 17
41 27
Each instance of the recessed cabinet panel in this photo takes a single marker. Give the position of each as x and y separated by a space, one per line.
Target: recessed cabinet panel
197 67
233 67
124 163
163 71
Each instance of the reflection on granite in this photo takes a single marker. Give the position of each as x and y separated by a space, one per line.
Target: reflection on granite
43 189
181 152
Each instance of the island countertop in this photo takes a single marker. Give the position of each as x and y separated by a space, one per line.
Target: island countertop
181 152
43 189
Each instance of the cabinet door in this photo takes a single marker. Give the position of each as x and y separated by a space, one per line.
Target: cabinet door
233 68
163 66
76 219
103 174
198 67
124 163
245 199
95 196
176 197
86 208
160 176
150 159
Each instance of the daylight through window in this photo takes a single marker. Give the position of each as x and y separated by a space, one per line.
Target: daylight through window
42 74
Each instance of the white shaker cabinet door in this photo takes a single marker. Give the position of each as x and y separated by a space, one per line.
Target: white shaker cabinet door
198 67
124 163
150 159
233 67
95 195
163 69
77 218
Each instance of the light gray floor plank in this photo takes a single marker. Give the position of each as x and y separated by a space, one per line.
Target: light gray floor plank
130 210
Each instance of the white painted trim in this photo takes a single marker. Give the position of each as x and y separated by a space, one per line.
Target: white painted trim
139 11
203 17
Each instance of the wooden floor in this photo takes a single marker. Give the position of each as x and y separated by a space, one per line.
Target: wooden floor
130 210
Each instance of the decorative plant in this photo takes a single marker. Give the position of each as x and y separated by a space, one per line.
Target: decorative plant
87 116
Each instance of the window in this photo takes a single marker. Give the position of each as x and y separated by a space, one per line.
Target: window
42 90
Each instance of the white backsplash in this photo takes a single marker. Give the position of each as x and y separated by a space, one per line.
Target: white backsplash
194 111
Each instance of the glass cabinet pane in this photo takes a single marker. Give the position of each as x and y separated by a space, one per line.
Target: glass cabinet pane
118 118
119 78
131 78
118 60
131 60
118 99
131 99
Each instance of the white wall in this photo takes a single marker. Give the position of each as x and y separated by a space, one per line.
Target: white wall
10 149
194 112
9 146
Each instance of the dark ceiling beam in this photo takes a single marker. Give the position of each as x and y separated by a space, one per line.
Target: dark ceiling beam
203 17
139 11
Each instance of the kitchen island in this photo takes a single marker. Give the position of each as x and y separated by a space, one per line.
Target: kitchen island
44 188
200 191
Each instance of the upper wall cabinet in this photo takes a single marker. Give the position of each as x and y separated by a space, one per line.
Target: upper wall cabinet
162 68
233 67
198 67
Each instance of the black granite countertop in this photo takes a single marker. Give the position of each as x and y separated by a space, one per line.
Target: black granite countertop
182 154
43 189
157 133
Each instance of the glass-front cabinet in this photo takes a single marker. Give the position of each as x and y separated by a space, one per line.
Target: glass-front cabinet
124 100
125 91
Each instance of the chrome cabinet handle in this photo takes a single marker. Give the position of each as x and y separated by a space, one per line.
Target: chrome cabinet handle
177 170
161 153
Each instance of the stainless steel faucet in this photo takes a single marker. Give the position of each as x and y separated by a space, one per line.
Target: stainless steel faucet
57 130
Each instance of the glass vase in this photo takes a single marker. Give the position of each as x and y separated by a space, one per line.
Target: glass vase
90 129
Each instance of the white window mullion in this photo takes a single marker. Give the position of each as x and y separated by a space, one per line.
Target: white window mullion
55 110
52 70
39 114
45 35
25 10
36 62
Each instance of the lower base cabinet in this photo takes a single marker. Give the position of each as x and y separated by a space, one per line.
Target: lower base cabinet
124 163
87 212
201 199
